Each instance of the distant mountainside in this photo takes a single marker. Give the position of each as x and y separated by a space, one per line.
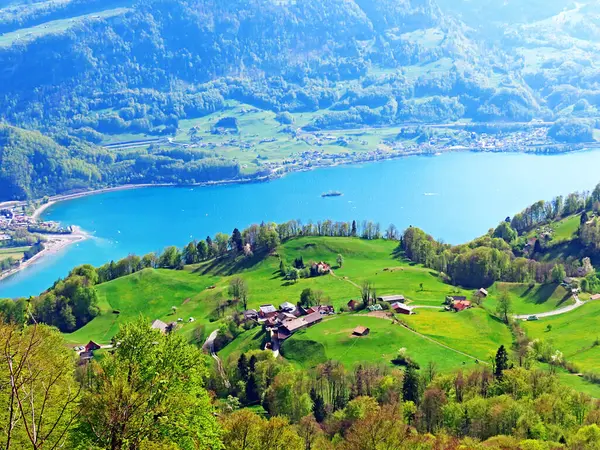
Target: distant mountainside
95 69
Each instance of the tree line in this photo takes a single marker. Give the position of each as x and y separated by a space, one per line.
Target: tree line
154 391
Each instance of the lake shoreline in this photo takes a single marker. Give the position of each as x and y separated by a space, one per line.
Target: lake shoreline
67 240
54 244
276 174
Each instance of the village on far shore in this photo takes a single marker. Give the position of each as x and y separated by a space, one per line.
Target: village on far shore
24 237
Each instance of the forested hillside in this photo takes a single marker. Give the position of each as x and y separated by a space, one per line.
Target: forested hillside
33 165
121 70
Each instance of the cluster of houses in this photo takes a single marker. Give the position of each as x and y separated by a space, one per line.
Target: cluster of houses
396 302
288 318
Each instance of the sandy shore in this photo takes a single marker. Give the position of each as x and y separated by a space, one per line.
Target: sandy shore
54 244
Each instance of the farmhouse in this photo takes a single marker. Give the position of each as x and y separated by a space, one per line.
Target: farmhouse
461 305
323 309
401 308
458 298
392 298
291 326
267 311
361 331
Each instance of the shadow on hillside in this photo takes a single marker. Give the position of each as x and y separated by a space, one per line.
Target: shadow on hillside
542 293
230 265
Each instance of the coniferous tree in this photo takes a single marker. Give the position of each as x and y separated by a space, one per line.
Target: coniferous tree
501 362
410 386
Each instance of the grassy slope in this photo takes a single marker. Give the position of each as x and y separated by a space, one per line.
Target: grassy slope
474 331
573 334
154 292
332 339
55 26
526 300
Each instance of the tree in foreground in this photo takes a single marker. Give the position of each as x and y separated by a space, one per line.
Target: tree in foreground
38 393
149 390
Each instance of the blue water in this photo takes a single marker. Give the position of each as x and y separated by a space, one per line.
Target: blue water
455 197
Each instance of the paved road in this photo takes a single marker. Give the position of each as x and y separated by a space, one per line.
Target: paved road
578 303
209 345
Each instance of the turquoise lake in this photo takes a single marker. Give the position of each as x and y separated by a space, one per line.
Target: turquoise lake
455 197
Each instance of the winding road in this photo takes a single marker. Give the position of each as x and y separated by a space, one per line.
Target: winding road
578 303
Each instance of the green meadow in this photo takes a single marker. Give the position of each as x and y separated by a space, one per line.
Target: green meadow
529 299
153 293
13 252
575 334
333 339
473 331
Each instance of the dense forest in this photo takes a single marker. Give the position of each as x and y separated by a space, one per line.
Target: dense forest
33 165
164 61
354 63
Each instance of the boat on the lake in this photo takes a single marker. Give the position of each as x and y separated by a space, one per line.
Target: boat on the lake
332 194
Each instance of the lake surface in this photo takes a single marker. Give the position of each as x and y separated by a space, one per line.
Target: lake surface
455 197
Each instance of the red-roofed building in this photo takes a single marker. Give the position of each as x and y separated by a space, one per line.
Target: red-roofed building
461 305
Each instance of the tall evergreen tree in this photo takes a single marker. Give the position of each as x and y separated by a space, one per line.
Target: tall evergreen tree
353 228
501 362
410 386
242 367
318 406
237 243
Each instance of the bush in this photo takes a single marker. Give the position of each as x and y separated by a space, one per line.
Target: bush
402 359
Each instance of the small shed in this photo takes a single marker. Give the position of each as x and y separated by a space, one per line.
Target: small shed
595 297
352 304
461 305
361 331
483 293
91 346
160 326
401 308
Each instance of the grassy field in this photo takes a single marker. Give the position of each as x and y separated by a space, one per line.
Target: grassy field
150 293
574 334
14 252
332 339
154 292
473 331
529 300
245 342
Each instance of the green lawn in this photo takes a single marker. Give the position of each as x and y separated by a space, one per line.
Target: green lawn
150 293
529 300
473 331
153 292
245 342
573 334
332 339
16 253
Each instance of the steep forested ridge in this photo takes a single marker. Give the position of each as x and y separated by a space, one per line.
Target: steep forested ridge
127 68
